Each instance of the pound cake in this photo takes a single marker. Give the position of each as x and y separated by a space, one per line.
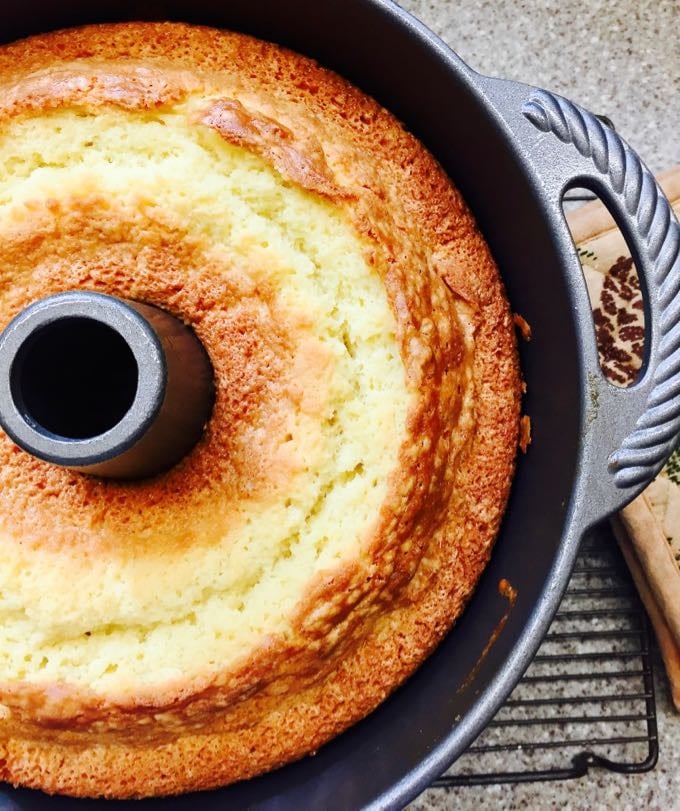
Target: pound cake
239 610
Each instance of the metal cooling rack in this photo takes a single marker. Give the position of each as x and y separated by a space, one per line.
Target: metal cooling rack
587 700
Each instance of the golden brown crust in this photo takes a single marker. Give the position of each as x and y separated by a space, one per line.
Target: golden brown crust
128 87
303 163
436 529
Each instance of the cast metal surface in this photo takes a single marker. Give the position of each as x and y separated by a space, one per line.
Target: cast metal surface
478 129
104 386
648 221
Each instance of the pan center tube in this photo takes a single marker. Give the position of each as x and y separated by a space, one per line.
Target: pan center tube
102 385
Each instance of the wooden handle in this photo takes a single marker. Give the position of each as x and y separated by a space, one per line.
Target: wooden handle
670 651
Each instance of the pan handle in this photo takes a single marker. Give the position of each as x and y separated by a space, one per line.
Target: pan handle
633 429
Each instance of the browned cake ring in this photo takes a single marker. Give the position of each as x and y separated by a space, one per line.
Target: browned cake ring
435 532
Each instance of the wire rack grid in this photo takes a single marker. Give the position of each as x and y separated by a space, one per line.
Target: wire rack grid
587 700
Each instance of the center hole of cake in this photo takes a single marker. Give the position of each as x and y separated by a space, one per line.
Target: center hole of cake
75 378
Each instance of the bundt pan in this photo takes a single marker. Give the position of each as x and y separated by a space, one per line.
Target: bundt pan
594 446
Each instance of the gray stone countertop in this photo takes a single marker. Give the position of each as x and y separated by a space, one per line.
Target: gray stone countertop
617 58
620 59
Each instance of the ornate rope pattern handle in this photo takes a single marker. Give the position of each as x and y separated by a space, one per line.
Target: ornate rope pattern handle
647 221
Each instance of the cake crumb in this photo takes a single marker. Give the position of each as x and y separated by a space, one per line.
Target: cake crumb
525 433
522 326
